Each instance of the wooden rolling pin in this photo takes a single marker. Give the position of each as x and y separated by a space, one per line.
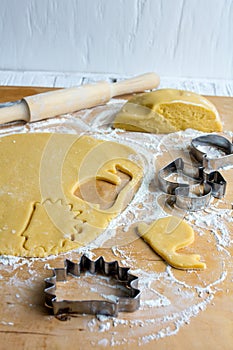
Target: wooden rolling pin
53 103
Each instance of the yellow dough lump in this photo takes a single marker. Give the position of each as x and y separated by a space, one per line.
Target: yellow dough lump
166 236
50 190
168 110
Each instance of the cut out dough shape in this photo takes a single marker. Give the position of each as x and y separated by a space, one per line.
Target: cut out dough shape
168 110
40 213
166 236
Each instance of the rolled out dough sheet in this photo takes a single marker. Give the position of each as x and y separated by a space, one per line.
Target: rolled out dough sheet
41 174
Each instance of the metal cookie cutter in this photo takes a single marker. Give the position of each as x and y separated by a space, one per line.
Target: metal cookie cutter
222 151
110 308
189 191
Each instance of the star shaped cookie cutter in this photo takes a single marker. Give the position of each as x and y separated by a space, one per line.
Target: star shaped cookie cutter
61 309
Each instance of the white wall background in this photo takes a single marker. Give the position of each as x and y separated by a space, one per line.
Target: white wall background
175 38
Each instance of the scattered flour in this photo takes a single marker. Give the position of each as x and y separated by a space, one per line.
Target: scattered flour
160 315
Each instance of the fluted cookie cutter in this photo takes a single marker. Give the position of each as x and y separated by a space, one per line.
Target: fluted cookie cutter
61 309
193 186
222 151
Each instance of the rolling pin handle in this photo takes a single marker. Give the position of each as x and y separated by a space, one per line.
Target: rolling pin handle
140 83
53 103
15 111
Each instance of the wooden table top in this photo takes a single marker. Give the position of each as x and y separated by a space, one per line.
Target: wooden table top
206 322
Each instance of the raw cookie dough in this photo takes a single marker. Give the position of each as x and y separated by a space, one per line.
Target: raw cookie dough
166 235
45 206
168 110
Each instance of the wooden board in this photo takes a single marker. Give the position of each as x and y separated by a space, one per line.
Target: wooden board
202 317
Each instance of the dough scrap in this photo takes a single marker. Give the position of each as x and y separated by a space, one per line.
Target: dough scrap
168 110
40 212
165 236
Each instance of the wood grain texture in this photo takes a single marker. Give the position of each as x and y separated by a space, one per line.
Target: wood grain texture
25 323
17 93
14 93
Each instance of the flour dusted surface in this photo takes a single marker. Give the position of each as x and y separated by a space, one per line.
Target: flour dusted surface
170 298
